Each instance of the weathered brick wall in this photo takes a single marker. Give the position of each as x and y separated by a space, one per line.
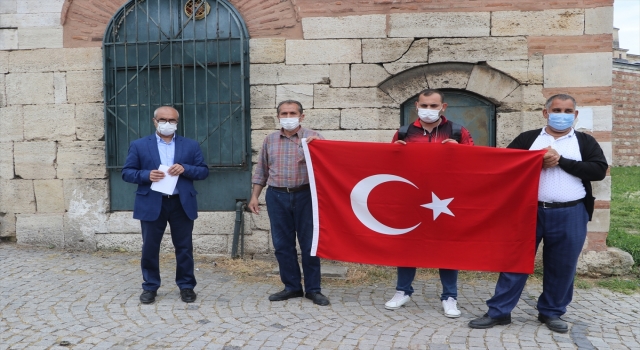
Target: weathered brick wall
351 63
626 115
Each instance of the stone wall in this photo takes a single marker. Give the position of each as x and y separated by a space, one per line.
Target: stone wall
626 114
352 64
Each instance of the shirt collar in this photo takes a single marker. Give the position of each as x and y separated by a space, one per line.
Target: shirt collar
160 140
299 132
417 122
571 133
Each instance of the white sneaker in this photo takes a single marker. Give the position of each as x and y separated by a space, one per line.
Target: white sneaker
397 301
450 308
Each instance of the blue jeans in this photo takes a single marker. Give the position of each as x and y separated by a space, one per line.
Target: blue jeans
181 236
448 278
564 231
291 214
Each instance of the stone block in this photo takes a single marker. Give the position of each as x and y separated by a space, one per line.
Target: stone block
45 230
263 96
16 196
60 88
490 83
81 160
267 50
532 120
370 118
83 197
215 223
82 59
6 159
536 73
3 90
49 196
212 244
257 139
602 189
40 37
29 88
417 53
8 39
271 74
578 70
257 222
49 122
258 243
7 225
598 20
323 51
30 20
406 85
84 87
348 27
364 75
607 149
8 6
524 98
122 222
518 70
508 126
611 262
602 118
339 75
37 6
35 160
541 23
326 97
264 119
478 49
394 68
439 24
384 50
89 121
4 62
56 60
360 135
11 124
121 242
448 75
600 221
322 119
300 93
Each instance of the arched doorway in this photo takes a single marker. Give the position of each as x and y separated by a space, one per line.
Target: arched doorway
474 112
192 55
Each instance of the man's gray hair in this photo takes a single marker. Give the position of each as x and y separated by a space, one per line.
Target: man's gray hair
562 97
155 113
286 102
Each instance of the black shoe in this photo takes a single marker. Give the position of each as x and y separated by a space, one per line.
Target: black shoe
488 322
285 295
188 295
554 323
148 296
318 298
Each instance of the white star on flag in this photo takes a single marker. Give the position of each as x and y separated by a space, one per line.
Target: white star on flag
438 206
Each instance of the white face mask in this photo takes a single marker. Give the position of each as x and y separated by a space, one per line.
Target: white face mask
429 115
167 129
289 123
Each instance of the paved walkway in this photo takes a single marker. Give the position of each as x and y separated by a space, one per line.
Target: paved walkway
53 299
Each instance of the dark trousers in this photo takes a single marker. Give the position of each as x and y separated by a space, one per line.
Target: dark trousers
181 236
563 231
291 215
448 278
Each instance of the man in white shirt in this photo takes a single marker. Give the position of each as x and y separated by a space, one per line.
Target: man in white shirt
565 206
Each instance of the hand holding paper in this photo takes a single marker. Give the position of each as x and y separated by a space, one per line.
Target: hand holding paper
168 184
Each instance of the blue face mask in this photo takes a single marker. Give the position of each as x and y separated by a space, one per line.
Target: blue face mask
560 121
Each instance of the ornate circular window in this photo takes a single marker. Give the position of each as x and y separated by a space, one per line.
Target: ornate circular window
200 7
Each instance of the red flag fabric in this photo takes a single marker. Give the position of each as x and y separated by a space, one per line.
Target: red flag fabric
424 205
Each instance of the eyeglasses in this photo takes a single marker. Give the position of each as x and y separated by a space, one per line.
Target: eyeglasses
170 121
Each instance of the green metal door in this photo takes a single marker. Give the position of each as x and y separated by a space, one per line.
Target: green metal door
192 55
473 112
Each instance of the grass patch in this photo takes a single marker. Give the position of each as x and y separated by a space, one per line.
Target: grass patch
622 285
625 211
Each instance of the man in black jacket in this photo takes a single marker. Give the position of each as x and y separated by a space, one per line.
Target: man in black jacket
565 205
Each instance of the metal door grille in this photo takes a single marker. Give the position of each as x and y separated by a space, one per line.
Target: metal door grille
192 55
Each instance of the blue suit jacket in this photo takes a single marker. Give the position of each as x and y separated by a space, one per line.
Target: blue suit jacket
144 156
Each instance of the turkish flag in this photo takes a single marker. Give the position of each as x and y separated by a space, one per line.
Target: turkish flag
424 204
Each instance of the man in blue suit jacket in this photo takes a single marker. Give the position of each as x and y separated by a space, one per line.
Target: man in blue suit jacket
154 209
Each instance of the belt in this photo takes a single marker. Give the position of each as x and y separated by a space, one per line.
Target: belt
291 189
559 204
170 196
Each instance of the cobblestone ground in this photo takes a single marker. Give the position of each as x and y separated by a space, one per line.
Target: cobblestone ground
53 299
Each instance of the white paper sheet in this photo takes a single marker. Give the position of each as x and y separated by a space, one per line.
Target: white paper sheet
167 184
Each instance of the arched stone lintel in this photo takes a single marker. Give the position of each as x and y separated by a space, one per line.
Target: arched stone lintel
478 78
